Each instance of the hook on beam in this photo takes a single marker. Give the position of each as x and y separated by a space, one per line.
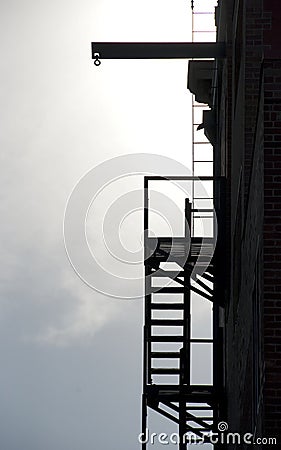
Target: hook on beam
96 58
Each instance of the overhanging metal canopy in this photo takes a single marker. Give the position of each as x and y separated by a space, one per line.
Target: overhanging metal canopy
157 50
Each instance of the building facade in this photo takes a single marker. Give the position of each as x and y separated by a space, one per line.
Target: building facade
244 123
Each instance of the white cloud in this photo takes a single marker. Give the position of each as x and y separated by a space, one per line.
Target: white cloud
84 318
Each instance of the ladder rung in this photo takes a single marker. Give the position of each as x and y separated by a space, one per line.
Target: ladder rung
165 371
169 306
167 322
167 338
164 355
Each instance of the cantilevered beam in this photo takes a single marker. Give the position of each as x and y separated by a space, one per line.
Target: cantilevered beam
157 50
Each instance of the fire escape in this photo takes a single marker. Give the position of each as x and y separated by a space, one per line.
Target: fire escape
180 271
185 270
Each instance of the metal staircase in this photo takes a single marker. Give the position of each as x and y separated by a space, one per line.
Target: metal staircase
170 281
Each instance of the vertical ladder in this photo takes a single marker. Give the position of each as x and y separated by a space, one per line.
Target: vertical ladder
203 29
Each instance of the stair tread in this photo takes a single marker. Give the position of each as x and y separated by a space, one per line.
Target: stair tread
167 338
167 306
162 273
207 277
167 322
204 286
168 290
164 371
165 355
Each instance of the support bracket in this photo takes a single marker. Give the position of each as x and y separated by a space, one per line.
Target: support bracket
157 50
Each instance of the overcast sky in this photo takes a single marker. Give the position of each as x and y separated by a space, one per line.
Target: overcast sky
70 373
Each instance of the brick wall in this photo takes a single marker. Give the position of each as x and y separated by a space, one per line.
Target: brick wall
251 88
272 247
257 21
272 35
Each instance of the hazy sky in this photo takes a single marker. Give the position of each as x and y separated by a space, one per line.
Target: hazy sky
70 373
